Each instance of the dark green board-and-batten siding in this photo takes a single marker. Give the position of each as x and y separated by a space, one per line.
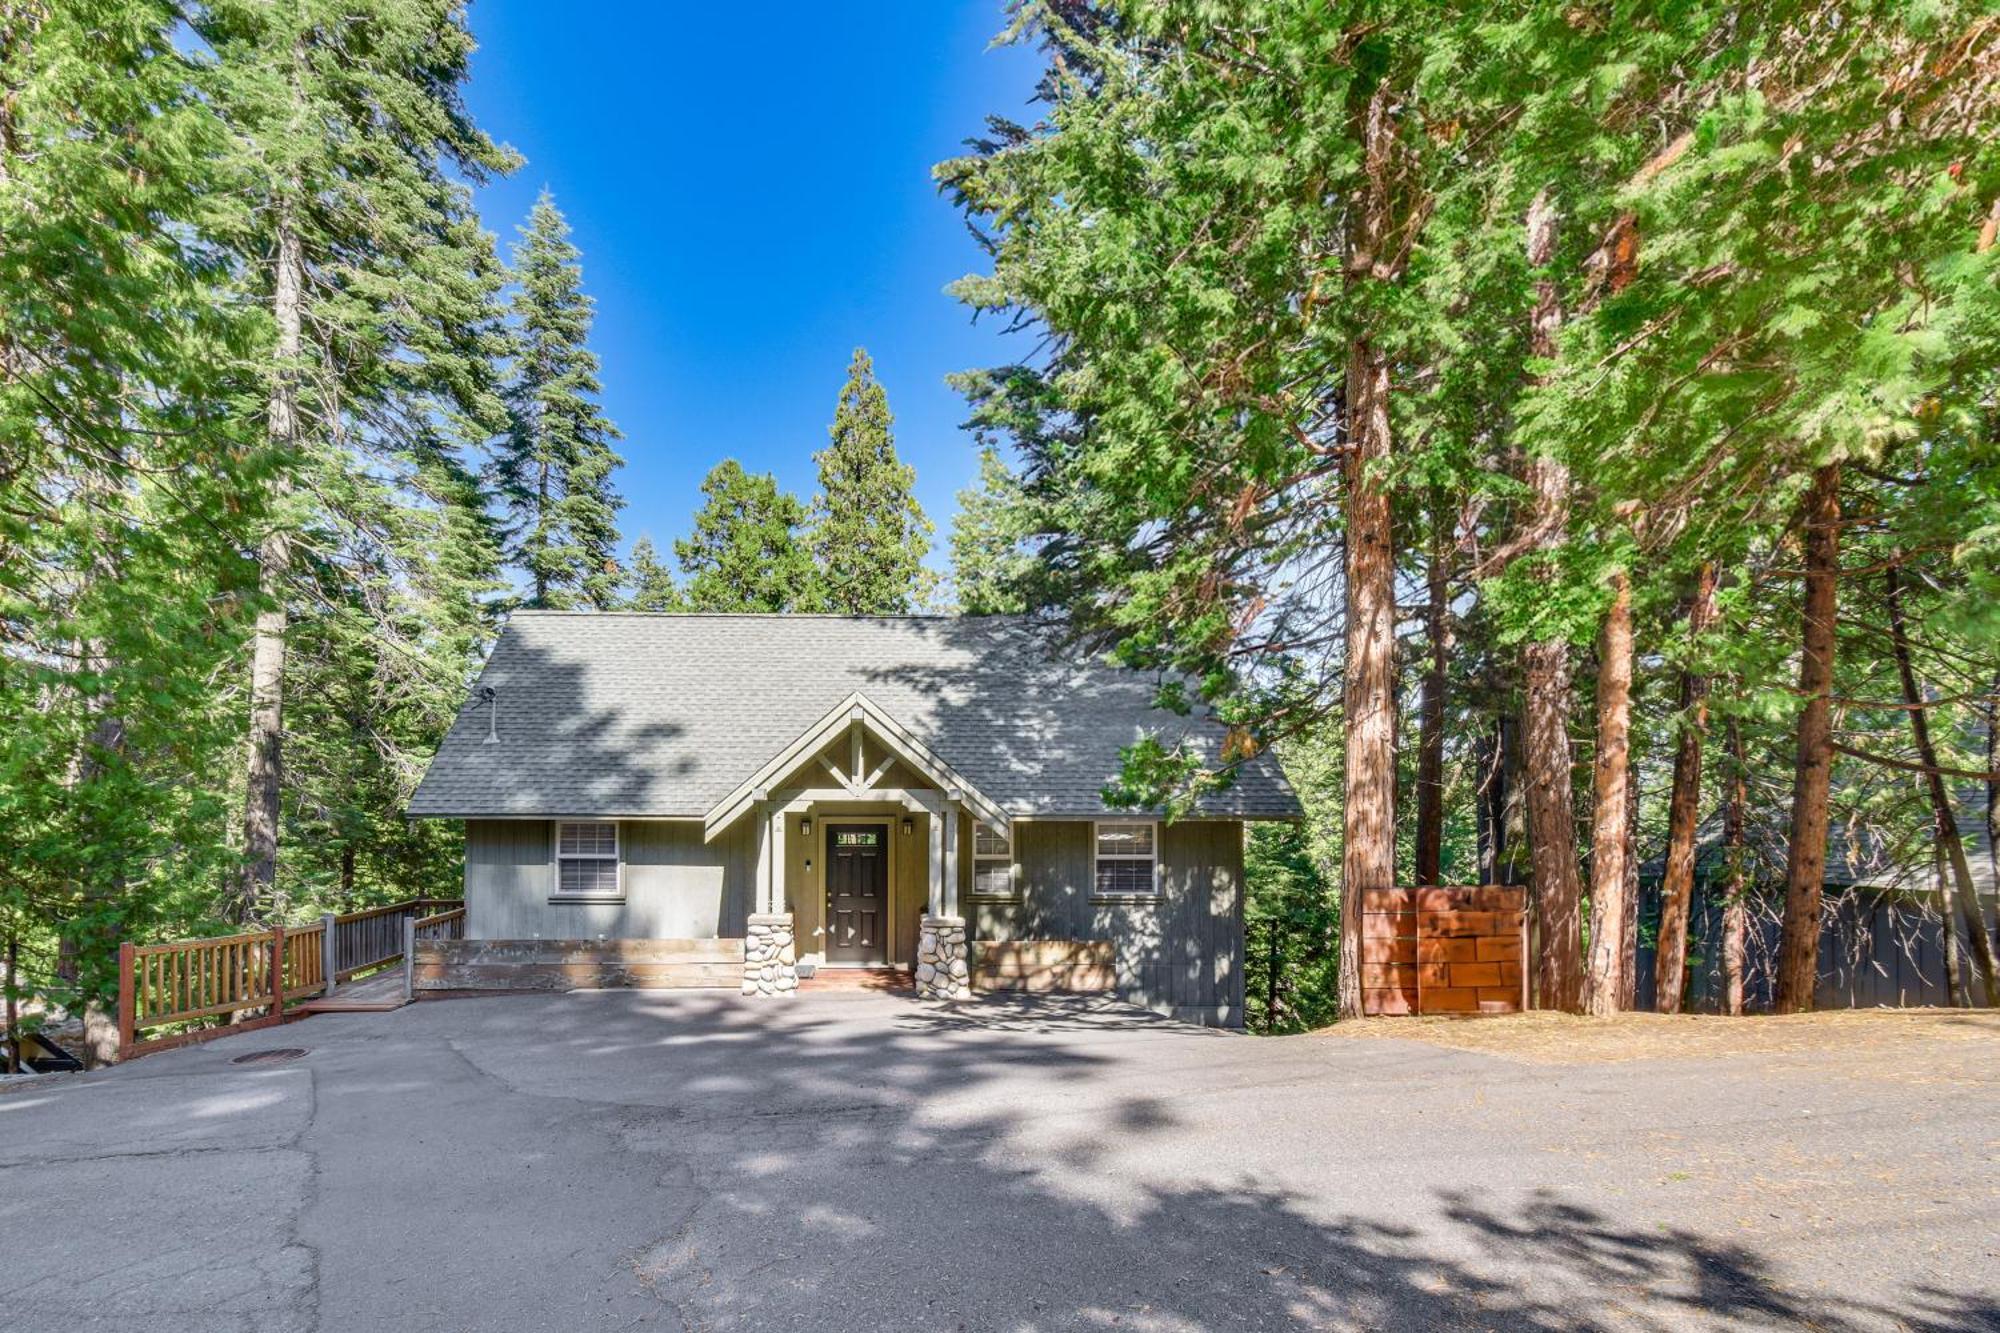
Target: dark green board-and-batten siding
1180 954
676 885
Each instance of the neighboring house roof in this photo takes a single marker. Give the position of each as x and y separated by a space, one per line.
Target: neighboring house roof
653 715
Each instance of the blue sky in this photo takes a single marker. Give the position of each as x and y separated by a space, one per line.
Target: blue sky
750 186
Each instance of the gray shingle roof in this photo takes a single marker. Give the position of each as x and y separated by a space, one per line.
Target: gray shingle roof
637 715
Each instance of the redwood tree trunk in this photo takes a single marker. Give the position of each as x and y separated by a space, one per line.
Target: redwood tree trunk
256 883
1993 785
1957 987
1628 993
1736 882
1486 805
13 1008
1558 893
1430 723
1612 810
1812 775
1684 810
1958 884
1369 857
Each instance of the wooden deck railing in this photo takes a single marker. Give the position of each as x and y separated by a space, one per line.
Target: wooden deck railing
449 925
305 959
185 981
373 937
443 926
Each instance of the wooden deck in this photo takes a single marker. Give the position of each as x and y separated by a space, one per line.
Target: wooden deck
371 994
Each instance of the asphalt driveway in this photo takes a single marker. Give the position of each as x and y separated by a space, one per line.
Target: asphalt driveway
854 1161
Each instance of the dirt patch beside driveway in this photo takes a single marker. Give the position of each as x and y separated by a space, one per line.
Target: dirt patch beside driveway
1899 1036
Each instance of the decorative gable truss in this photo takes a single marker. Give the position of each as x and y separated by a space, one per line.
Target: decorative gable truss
793 776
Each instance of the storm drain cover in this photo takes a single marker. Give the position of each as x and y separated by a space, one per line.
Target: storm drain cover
276 1055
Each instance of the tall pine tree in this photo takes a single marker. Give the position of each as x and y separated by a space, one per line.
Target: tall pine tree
651 582
355 233
989 558
127 495
869 535
555 465
745 553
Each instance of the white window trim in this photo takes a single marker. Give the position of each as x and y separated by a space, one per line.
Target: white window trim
617 857
1152 857
1006 858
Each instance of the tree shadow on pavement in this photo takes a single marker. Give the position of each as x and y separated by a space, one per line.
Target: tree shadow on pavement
920 1168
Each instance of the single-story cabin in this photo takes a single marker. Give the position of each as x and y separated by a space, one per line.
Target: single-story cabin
822 792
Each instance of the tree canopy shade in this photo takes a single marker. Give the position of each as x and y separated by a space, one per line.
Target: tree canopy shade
745 553
555 464
255 351
868 534
1512 307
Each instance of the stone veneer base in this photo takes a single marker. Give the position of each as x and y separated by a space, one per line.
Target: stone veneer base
770 955
943 961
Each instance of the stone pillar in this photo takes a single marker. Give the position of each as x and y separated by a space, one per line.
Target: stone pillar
943 964
769 955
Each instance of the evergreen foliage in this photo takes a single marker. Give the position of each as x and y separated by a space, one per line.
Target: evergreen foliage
651 582
1630 290
251 341
868 534
746 552
990 560
127 486
554 471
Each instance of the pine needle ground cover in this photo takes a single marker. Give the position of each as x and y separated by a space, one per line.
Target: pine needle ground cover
1941 1042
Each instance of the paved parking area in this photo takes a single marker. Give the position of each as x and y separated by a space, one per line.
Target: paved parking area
854 1161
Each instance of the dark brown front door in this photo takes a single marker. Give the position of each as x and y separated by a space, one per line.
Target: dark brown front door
857 894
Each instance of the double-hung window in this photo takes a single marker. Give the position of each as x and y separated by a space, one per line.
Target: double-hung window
587 860
1126 859
992 863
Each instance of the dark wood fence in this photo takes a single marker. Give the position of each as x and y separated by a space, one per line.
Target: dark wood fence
1875 949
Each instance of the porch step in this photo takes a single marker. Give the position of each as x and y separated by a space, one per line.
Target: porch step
859 978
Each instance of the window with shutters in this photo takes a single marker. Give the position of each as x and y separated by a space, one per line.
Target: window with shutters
992 863
1127 863
587 861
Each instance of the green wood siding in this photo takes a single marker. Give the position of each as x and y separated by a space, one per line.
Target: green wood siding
676 885
1181 954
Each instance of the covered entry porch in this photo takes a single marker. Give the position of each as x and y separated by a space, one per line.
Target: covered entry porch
864 851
